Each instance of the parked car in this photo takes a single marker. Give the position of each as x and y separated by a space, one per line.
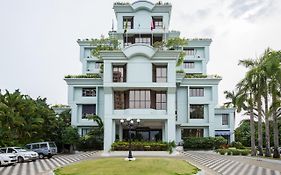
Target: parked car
7 158
21 153
44 149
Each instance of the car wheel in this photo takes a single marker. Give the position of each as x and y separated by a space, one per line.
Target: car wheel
41 156
20 159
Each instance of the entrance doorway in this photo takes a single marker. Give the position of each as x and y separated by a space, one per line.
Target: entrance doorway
143 134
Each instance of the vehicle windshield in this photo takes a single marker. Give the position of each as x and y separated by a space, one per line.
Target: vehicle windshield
52 144
20 149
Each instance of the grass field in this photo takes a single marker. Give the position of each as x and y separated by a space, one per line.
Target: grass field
118 166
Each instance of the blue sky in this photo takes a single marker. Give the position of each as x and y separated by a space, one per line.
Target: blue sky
38 38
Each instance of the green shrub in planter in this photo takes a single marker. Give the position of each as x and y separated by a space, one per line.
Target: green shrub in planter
203 142
222 151
140 146
245 152
228 152
237 145
235 152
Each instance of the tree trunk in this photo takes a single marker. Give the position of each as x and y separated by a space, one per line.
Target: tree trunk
260 139
267 131
253 145
276 153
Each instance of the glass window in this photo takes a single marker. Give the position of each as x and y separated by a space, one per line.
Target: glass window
189 65
189 51
44 145
130 22
158 22
143 40
85 131
89 109
119 100
119 73
225 119
28 146
3 150
161 100
35 146
196 132
10 150
88 92
139 99
196 92
159 73
197 111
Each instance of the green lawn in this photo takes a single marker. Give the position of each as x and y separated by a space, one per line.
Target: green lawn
118 166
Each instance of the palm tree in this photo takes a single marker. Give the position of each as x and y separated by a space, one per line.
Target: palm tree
272 65
247 103
256 77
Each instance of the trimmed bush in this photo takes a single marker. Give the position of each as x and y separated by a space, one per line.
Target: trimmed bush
234 151
140 146
237 145
203 142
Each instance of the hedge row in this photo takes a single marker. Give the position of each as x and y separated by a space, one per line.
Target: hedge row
140 146
234 152
203 142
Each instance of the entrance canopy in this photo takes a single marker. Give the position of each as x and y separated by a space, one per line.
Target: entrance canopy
222 132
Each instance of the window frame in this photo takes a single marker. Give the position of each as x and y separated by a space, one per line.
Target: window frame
163 77
162 102
189 64
123 73
196 115
86 90
225 119
196 91
84 114
130 20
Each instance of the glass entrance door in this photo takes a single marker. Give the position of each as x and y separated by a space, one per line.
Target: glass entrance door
141 134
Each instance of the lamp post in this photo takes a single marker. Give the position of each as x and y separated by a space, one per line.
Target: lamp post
130 123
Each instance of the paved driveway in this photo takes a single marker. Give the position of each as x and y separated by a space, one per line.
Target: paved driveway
42 166
214 163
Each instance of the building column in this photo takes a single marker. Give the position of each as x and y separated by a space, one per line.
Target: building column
107 134
171 129
113 131
178 134
120 133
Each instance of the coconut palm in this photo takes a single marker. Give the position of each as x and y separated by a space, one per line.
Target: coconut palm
246 100
273 70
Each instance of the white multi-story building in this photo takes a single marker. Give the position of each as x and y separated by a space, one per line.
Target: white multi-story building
141 82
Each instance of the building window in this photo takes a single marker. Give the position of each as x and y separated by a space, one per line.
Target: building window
88 92
85 131
196 92
158 22
225 119
189 51
189 65
98 65
142 40
159 73
120 99
197 111
89 109
119 73
130 22
196 132
139 99
161 100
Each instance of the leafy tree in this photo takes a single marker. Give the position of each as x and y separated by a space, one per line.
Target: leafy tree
70 136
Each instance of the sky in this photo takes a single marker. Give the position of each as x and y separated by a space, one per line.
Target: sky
38 38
